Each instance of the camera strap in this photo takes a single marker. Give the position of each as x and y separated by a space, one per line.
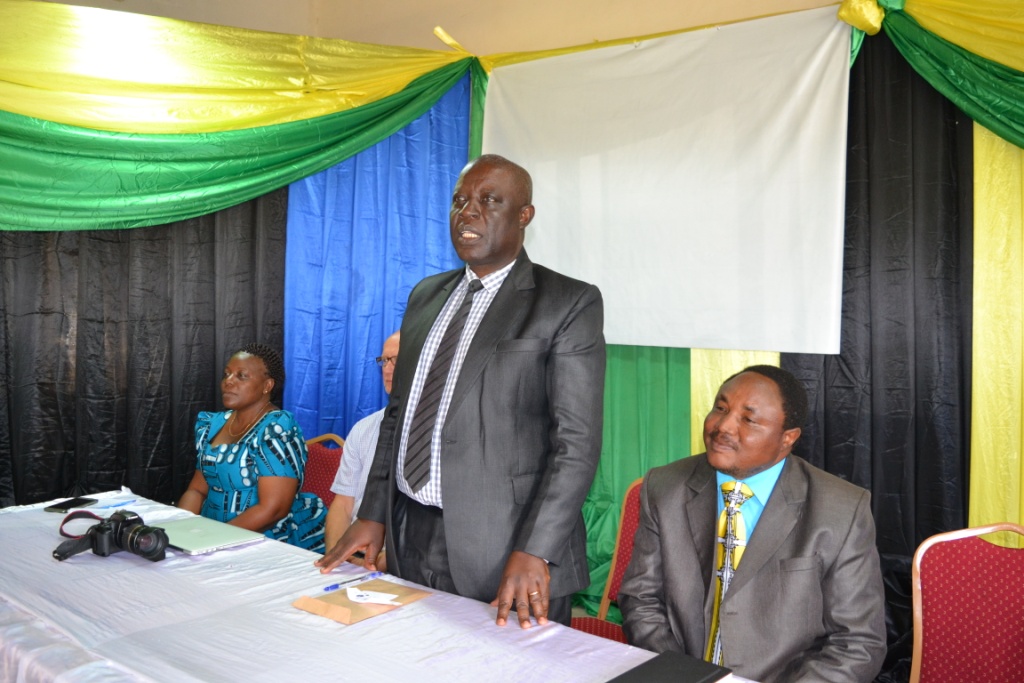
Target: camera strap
77 514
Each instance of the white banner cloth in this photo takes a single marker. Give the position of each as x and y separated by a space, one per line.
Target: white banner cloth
698 179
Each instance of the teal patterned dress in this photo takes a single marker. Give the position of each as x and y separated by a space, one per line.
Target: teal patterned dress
274 447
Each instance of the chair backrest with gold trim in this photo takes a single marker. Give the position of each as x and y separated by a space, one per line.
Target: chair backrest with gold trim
322 465
968 598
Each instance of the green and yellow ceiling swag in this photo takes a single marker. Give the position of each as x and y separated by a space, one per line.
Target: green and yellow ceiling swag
990 92
219 115
114 120
60 177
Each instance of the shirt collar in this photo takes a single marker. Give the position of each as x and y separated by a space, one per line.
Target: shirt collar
490 282
761 484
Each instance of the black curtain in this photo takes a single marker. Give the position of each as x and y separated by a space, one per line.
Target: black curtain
113 341
891 412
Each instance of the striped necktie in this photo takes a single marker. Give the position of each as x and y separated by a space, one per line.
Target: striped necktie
417 451
731 540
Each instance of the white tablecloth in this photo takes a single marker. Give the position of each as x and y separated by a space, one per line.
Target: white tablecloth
227 616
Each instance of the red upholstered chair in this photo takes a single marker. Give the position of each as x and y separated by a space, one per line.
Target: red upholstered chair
322 465
968 608
629 519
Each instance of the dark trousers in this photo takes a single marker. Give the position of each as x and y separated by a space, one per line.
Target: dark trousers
423 553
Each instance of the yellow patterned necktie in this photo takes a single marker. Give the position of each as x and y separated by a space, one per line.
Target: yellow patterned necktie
731 540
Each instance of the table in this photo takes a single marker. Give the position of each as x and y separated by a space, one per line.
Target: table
227 616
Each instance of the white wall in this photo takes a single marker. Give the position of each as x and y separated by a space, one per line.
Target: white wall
482 28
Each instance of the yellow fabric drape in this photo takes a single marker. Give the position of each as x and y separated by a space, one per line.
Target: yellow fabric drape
997 420
993 29
708 369
867 15
133 73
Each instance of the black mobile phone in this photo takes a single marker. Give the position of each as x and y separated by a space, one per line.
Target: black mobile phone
70 503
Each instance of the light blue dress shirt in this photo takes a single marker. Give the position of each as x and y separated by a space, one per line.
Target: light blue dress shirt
761 484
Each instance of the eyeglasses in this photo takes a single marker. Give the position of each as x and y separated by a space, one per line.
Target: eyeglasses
382 361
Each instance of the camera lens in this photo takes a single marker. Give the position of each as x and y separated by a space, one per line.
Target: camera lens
146 541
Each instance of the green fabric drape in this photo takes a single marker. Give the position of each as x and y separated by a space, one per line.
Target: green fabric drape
59 177
478 85
646 424
856 41
990 93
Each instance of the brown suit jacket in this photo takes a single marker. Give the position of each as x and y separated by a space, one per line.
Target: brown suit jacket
806 603
523 433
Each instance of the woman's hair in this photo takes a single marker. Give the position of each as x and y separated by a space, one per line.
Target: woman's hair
272 361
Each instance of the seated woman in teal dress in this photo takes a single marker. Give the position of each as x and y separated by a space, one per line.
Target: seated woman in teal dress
251 457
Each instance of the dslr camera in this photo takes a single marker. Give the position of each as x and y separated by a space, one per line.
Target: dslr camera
123 530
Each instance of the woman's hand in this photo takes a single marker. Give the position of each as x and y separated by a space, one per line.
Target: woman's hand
195 495
276 496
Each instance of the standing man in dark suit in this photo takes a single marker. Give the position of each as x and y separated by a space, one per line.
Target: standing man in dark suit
805 602
480 476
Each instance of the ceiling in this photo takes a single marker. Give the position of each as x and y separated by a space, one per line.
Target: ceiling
504 26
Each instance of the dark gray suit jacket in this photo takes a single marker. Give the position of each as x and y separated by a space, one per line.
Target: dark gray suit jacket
806 603
523 433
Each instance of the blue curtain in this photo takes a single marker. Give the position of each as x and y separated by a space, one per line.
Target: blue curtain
360 235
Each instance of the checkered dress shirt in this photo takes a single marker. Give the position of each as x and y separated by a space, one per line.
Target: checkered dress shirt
430 494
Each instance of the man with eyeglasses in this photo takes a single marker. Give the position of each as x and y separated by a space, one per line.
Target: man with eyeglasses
360 445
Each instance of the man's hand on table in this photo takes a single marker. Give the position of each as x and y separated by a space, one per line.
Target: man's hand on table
524 583
363 535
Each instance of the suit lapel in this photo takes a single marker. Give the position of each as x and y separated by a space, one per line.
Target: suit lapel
416 328
700 513
778 518
511 302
